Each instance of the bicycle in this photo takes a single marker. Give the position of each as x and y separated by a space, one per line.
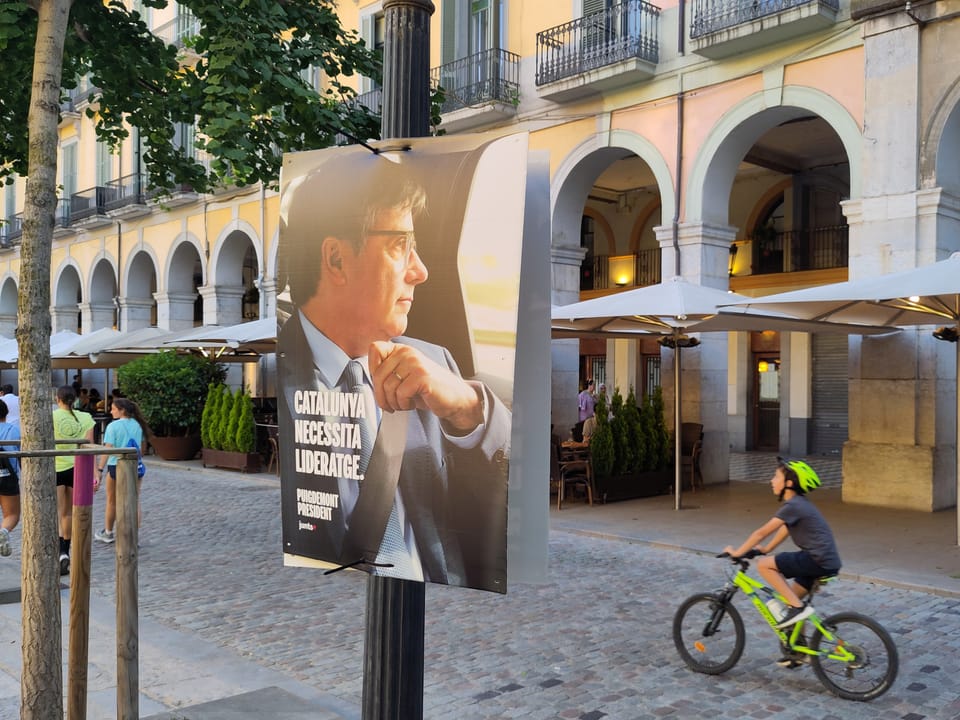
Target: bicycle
852 654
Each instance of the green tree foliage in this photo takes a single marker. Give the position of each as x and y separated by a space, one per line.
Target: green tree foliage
658 435
211 409
241 80
170 389
636 437
621 440
602 448
218 433
233 421
246 429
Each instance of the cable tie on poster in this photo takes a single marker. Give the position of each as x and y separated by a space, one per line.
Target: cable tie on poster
361 561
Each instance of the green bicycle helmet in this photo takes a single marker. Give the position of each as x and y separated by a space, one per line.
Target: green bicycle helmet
806 478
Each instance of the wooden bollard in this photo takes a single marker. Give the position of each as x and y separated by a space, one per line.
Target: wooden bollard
80 587
128 639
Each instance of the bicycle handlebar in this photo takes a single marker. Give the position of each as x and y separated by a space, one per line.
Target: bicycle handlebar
742 560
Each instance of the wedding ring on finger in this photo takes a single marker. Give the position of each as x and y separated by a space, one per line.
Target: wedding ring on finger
398 376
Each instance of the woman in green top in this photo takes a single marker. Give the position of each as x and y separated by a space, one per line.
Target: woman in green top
68 424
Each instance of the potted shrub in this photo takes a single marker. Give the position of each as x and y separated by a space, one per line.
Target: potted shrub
632 457
170 390
229 439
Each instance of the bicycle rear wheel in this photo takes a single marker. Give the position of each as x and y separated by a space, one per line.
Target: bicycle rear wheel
874 667
708 633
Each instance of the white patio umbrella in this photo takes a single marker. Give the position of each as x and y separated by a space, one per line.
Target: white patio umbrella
926 295
672 309
250 339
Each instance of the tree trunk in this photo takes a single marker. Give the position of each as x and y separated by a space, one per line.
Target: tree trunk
41 682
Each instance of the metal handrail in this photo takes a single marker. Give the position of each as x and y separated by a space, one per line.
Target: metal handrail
629 29
489 76
710 16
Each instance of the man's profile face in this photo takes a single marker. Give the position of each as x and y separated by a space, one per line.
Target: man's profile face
381 277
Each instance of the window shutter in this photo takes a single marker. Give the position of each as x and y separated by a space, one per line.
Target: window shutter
448 40
367 32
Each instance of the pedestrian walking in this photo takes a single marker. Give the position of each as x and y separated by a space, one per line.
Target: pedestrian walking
68 424
128 424
9 482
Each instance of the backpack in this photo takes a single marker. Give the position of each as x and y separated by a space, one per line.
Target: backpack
6 470
141 468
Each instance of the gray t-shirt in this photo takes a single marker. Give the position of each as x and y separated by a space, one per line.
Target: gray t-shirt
810 532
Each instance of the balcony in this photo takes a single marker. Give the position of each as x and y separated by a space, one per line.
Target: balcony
88 208
823 248
61 220
606 272
481 89
127 197
599 52
721 28
10 231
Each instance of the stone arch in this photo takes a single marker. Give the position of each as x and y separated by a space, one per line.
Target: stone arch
8 304
604 226
643 219
715 166
940 145
102 293
577 172
229 250
66 296
178 275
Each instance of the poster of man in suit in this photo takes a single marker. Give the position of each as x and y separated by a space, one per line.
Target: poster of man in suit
400 272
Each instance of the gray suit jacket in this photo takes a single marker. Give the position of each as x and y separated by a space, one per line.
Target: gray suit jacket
455 499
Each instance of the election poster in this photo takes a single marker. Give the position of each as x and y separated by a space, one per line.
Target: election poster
399 269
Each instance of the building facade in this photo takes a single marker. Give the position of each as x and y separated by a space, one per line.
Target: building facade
758 146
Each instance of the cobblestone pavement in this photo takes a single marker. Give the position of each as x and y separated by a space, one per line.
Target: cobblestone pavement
594 642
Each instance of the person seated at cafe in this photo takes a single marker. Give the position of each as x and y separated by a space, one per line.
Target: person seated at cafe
83 401
589 428
95 401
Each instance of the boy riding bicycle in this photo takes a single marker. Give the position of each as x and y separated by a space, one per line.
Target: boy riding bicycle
800 519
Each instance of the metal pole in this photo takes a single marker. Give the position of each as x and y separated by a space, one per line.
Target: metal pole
393 647
677 449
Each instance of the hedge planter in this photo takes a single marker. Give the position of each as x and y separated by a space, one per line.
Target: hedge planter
634 485
244 462
176 447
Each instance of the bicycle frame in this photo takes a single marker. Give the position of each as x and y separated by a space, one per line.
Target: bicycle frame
788 636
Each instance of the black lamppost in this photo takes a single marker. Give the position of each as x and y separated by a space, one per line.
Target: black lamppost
393 647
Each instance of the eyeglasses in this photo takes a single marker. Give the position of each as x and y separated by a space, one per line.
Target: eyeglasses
403 245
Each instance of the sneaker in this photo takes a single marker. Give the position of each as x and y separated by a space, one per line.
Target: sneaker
104 536
791 661
64 563
5 549
795 615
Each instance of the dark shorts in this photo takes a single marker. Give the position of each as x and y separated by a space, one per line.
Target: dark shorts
9 485
800 566
65 478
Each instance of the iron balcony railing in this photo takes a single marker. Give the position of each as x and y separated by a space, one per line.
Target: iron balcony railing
629 29
128 190
820 248
11 230
709 16
597 275
90 202
489 76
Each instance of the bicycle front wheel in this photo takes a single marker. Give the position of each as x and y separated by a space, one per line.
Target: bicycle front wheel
873 667
708 633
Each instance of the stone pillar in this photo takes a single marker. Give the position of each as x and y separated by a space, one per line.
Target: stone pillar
96 316
704 259
565 354
135 313
268 297
175 310
222 304
64 317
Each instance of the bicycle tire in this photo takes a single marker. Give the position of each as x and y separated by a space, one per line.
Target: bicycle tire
877 663
705 649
